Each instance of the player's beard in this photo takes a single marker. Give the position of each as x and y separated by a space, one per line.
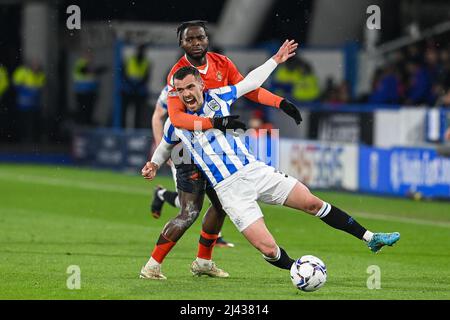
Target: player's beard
197 56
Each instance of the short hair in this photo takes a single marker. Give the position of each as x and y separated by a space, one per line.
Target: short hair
183 72
193 23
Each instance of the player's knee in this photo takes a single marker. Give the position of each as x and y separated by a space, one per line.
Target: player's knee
312 204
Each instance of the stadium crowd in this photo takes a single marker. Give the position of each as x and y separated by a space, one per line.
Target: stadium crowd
418 74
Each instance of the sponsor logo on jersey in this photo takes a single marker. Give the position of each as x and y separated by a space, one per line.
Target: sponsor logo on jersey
214 105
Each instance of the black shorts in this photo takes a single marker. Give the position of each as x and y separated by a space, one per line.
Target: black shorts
190 179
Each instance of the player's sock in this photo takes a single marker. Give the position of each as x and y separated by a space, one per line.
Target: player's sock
338 219
162 248
206 245
367 237
177 202
160 194
151 263
171 198
204 263
282 260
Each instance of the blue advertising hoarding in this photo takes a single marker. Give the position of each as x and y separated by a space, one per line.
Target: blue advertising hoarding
404 172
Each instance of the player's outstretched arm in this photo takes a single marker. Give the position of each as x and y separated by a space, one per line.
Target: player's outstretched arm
265 97
257 77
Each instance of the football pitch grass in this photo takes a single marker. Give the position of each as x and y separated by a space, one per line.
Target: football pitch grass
55 217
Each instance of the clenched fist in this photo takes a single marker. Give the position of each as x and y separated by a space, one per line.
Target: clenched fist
149 170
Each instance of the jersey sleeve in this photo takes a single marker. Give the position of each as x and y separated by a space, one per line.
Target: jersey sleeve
227 94
169 133
162 99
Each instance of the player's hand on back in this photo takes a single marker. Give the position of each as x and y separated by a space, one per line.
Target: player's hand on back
228 122
149 170
286 51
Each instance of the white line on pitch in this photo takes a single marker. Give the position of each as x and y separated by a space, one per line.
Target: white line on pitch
386 217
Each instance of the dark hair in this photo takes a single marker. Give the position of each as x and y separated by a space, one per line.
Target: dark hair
183 72
193 23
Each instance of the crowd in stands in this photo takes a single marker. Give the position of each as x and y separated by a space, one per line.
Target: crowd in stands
416 75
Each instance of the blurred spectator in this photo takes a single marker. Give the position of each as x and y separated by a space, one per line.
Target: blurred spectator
444 74
29 80
259 121
421 73
419 85
434 69
336 94
285 77
447 135
4 110
306 89
413 52
329 93
432 63
444 99
135 74
86 86
4 82
296 79
343 92
385 87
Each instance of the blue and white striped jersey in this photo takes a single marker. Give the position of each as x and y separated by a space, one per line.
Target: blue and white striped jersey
162 99
217 154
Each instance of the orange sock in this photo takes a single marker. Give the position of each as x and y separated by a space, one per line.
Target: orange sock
162 248
206 245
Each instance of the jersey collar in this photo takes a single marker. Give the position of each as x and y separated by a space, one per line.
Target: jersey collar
202 71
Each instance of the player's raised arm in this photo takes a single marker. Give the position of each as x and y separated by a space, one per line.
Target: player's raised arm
265 97
257 77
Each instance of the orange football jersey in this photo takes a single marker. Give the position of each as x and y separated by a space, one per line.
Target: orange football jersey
219 71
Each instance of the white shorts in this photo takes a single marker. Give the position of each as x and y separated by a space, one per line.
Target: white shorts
255 182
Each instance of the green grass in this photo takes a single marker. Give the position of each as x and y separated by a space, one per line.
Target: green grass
53 217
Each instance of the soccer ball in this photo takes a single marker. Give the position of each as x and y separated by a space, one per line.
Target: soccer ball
308 273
